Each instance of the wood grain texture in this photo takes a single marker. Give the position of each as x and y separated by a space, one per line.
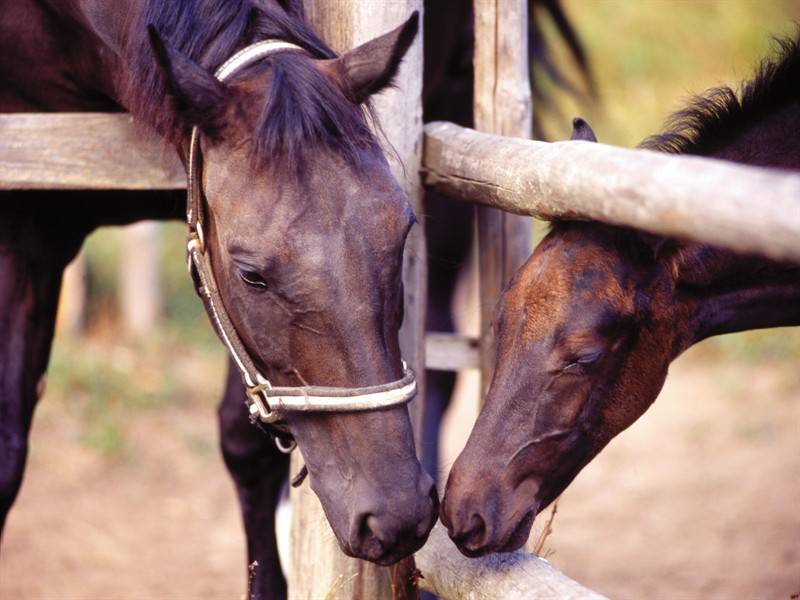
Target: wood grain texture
344 25
743 208
451 352
71 313
91 151
509 576
502 105
139 293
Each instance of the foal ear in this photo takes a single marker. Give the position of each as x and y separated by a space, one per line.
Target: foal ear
200 98
370 67
663 249
581 130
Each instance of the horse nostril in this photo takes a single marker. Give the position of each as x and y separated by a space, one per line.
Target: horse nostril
425 525
368 537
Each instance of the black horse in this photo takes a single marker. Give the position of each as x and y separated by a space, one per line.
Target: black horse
305 228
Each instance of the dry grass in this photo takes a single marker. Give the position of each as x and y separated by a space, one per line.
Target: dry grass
538 545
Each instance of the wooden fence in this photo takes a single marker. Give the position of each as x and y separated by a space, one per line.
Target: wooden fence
695 198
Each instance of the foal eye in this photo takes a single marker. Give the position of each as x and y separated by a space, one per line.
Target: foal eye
581 361
253 279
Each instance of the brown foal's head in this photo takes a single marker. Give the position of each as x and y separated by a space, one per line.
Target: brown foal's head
306 233
585 332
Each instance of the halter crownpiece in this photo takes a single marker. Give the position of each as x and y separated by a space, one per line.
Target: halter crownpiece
268 404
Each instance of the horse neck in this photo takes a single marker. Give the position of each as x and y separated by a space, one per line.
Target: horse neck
730 292
109 21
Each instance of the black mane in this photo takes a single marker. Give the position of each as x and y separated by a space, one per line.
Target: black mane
303 107
715 118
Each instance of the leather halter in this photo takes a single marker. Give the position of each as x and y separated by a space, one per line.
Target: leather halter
266 403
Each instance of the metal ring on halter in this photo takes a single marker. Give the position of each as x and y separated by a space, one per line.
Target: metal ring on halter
285 447
197 239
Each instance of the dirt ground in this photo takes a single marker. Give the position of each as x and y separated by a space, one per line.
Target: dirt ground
699 499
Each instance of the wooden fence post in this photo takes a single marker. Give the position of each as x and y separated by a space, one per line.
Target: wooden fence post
139 294
319 569
502 105
71 316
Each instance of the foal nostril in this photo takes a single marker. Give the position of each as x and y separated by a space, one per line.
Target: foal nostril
473 535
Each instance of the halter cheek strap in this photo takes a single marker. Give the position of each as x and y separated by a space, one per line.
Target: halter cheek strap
268 404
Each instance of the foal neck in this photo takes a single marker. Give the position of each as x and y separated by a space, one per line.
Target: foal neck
727 292
732 292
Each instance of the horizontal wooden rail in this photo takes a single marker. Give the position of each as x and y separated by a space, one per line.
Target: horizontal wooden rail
746 209
512 576
90 151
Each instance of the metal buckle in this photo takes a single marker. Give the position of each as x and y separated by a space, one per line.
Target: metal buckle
197 239
258 402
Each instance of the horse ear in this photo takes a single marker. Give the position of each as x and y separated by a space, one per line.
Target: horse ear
200 98
370 67
581 130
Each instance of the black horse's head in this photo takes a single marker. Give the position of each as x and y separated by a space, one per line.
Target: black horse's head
306 230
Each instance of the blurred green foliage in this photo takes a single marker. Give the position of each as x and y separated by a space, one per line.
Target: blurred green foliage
649 56
182 310
103 379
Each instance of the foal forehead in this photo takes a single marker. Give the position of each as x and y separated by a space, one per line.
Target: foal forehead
571 282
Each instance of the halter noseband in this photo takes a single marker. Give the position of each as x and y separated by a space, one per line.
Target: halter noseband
268 404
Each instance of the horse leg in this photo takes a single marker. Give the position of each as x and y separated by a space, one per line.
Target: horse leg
33 253
448 227
258 470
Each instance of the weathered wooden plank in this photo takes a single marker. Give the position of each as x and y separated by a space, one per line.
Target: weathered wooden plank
140 295
71 314
60 151
451 352
510 576
502 105
743 208
321 564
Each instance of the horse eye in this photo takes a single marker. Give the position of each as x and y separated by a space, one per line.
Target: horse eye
253 279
